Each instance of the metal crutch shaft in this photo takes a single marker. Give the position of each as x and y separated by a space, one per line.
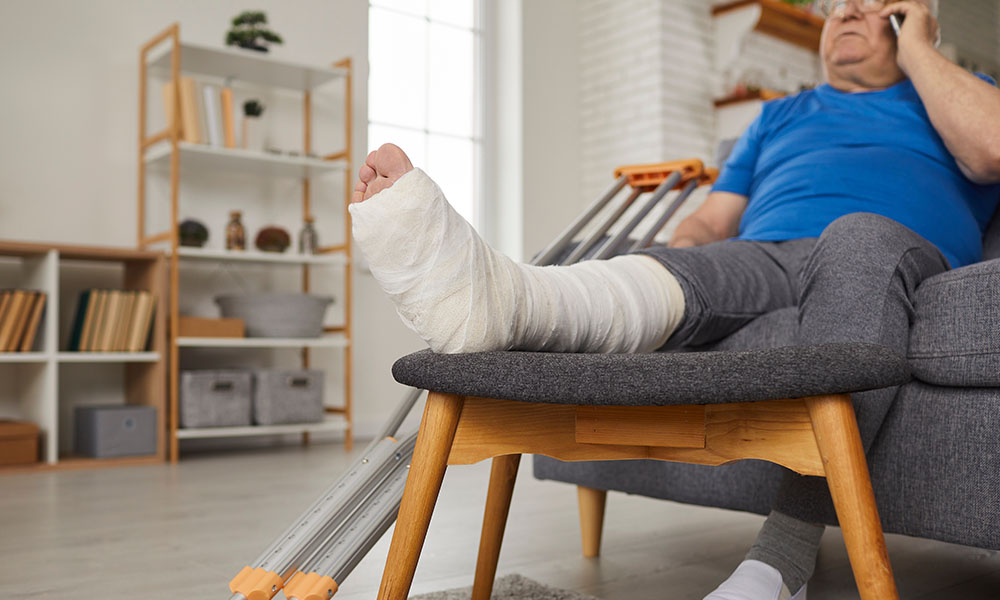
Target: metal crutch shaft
403 455
609 247
399 415
556 248
595 236
344 551
645 240
283 557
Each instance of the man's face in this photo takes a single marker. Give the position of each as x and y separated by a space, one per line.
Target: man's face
858 40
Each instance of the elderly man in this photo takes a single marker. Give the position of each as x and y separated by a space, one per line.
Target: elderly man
838 201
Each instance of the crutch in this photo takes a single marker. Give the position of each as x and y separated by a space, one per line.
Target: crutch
328 540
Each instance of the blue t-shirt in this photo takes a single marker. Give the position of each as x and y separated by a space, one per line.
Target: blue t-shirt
821 154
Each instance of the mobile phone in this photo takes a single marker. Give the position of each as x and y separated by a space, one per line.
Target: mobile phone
897 22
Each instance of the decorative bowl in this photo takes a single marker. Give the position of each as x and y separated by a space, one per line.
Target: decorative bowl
277 315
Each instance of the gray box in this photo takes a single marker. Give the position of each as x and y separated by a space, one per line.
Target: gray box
215 398
116 430
282 397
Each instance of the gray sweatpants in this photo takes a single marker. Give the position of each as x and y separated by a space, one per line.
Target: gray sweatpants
854 283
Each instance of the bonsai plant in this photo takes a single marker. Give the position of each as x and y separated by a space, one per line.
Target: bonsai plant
250 31
252 110
806 5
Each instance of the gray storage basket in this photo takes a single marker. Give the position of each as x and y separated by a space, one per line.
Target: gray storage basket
217 398
281 397
119 430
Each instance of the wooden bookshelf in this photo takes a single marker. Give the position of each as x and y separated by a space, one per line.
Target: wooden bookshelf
762 95
164 154
781 20
40 397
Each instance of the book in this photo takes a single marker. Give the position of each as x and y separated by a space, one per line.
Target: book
228 118
136 338
22 321
100 315
213 114
87 334
34 320
134 319
11 317
111 316
4 303
169 106
147 324
122 325
73 344
189 112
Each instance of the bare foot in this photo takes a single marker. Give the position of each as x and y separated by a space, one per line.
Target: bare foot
381 169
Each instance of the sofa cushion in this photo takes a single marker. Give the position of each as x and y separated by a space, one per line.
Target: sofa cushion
656 379
955 338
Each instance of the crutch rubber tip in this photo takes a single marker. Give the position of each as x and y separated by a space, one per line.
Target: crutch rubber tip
310 586
255 584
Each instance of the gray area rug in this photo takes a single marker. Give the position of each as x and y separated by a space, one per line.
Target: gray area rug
510 587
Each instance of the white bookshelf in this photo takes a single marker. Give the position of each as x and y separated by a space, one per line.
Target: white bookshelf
256 256
205 158
107 357
329 423
32 389
24 357
326 341
250 67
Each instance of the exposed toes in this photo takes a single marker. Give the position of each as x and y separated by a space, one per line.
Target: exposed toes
367 174
381 169
391 161
377 186
359 191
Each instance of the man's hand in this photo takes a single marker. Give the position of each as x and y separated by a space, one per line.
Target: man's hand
919 31
964 109
718 218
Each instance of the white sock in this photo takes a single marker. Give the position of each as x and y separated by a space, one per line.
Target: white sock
460 295
755 580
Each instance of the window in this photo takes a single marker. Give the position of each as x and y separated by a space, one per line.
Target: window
423 90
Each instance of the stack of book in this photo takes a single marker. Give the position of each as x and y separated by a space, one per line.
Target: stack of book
20 317
206 114
112 321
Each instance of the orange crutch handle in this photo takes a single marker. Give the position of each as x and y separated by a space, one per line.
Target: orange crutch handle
647 177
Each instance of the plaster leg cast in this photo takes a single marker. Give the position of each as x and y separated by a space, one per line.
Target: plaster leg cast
460 295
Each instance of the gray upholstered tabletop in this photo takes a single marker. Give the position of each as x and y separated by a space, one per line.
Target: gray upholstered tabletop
657 378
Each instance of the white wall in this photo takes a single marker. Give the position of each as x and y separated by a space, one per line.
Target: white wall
551 126
973 27
68 145
531 134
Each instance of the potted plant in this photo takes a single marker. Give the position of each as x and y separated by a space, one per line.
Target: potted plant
251 131
806 5
249 31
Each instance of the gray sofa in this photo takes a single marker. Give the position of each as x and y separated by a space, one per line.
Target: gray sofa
935 466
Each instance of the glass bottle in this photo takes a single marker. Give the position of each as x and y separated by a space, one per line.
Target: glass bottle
308 242
236 236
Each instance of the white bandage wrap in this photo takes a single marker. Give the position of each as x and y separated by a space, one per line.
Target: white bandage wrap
460 295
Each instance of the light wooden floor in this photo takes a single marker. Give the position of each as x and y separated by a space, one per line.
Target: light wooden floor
182 532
